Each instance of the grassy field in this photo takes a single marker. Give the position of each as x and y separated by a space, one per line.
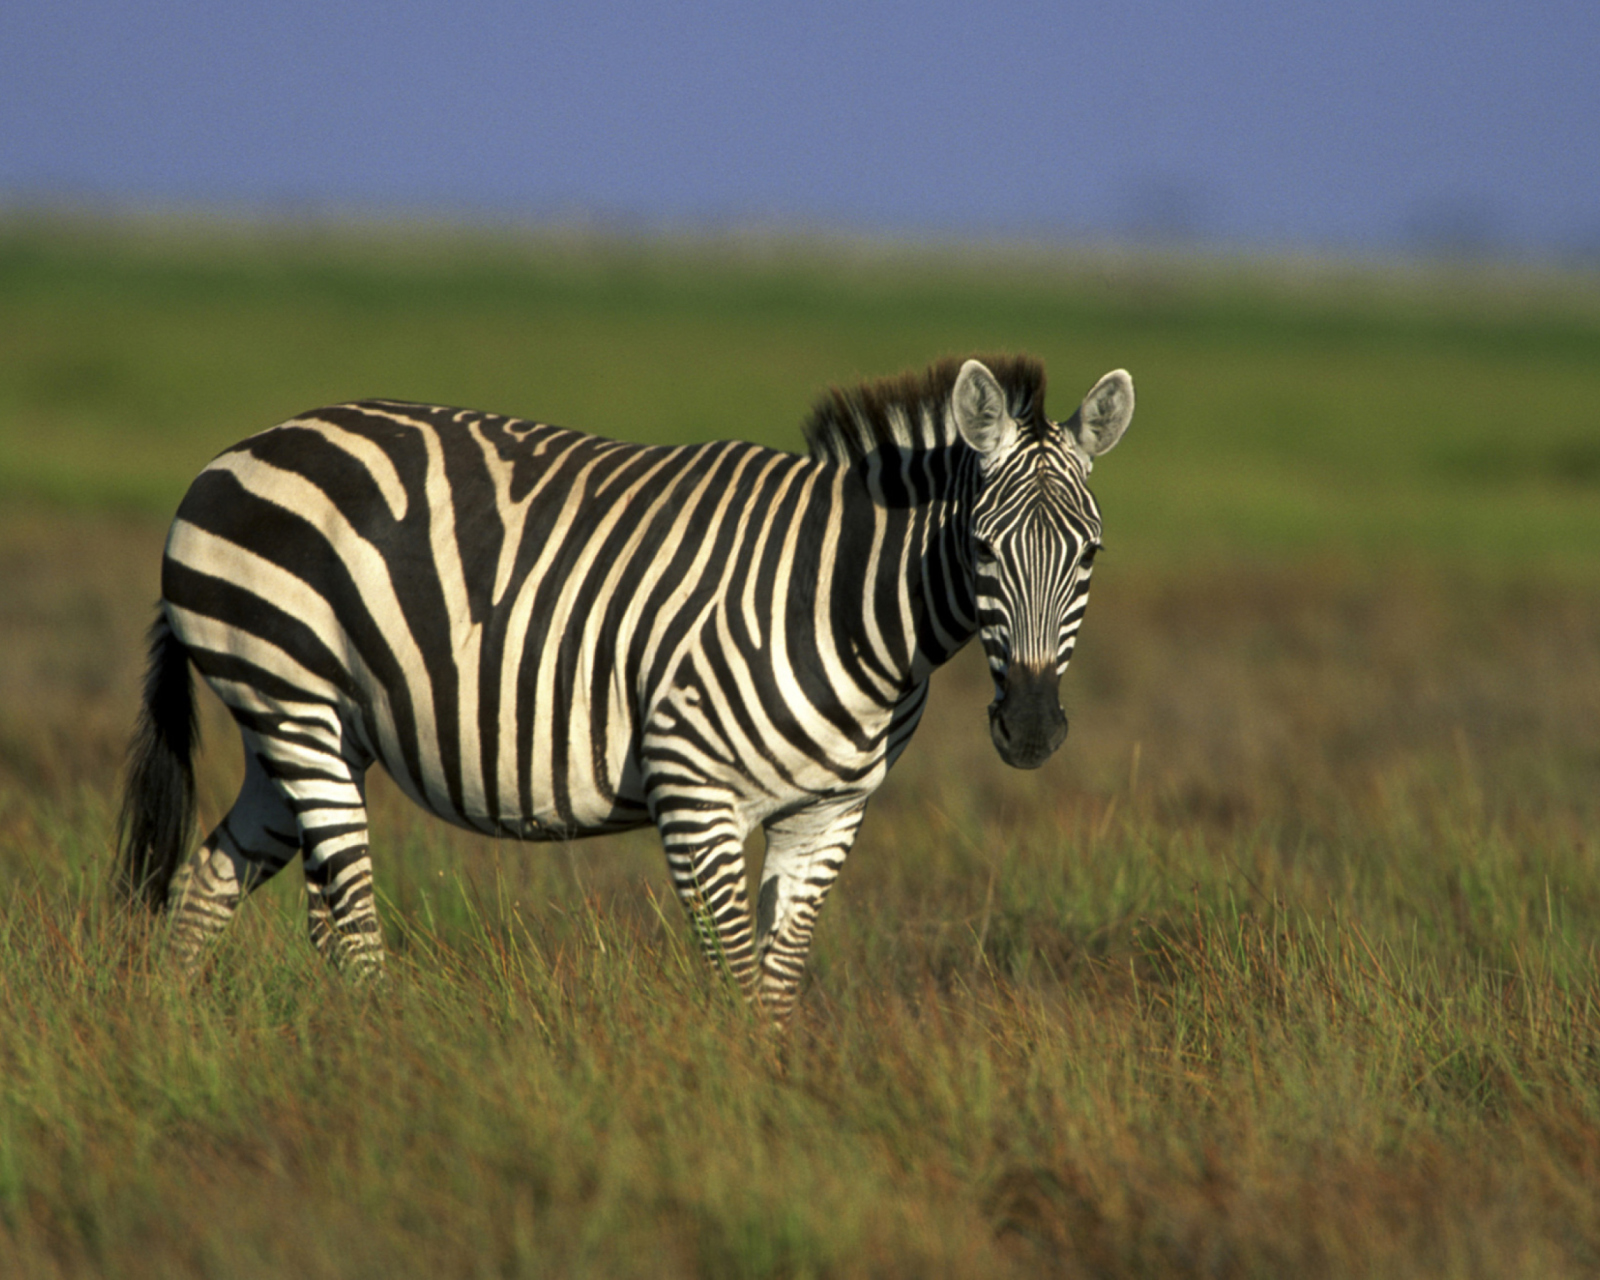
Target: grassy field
1286 965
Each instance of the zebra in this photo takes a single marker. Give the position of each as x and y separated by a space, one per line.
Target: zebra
542 634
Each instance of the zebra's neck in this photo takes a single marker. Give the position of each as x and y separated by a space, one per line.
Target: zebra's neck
902 560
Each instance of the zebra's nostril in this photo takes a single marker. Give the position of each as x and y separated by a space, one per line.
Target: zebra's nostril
1027 723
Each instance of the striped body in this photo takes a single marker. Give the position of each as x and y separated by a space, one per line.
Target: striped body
542 634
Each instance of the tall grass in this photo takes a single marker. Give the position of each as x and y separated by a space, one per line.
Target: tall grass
1106 1045
1272 971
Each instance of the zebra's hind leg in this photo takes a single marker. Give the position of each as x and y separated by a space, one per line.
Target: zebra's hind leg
325 791
251 844
805 851
342 915
705 854
341 906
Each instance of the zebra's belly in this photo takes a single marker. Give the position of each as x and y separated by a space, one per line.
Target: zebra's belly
540 805
547 827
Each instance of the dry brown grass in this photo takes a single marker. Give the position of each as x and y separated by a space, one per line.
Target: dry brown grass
1286 965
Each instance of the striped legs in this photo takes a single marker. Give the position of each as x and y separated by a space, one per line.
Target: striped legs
705 854
804 853
296 797
328 796
249 846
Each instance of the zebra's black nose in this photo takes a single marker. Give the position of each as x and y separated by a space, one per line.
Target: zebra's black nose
1027 723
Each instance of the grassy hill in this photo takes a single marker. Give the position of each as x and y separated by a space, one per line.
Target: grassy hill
1281 410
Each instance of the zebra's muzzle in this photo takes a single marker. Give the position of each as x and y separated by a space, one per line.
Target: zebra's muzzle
1027 722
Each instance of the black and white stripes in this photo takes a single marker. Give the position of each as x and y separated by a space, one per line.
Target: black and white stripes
544 635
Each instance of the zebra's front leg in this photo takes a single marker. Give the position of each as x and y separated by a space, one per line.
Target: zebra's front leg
805 851
705 854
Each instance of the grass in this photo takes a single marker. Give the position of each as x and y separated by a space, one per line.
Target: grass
1285 965
1280 413
1087 1040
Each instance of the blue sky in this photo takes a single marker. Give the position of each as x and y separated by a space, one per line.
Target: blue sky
1365 126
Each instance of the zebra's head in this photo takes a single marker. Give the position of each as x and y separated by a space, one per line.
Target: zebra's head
1034 531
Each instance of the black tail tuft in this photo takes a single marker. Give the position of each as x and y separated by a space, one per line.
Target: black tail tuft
153 829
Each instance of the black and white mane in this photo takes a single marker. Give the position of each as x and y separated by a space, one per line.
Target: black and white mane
912 410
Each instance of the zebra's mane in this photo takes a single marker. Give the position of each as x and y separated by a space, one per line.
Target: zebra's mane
912 410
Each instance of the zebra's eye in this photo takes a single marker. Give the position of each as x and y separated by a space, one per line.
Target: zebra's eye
983 555
1087 558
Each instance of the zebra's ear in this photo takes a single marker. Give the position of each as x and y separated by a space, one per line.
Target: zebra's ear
1104 414
980 409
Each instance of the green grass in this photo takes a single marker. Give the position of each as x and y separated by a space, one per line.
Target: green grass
1286 965
1279 411
1099 1044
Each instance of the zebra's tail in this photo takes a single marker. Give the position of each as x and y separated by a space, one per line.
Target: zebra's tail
158 798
